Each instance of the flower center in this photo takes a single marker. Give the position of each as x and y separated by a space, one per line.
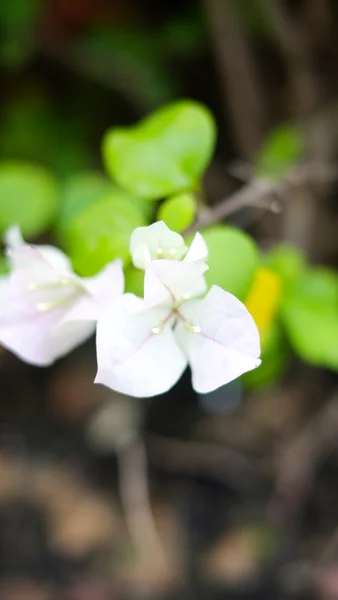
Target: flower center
171 253
177 315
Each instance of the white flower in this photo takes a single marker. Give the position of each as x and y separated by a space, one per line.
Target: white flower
47 309
143 346
158 242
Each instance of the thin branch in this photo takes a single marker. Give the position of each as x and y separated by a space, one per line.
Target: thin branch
264 193
134 493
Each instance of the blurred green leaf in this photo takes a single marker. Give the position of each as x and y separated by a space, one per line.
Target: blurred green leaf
84 189
17 21
165 153
28 197
287 261
184 34
310 315
31 130
275 357
282 149
79 192
102 232
135 52
134 280
178 212
233 259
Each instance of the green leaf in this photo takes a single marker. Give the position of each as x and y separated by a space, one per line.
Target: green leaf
233 259
79 192
275 357
84 189
102 232
178 212
282 149
287 261
310 314
134 280
28 197
164 154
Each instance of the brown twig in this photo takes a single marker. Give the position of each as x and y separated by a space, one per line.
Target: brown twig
134 494
264 193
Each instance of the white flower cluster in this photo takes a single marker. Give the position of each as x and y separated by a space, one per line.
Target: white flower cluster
143 345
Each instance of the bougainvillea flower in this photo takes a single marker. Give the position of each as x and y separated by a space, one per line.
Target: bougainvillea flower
157 241
47 309
144 345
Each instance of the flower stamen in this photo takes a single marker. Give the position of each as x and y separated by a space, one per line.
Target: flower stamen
35 286
47 306
192 328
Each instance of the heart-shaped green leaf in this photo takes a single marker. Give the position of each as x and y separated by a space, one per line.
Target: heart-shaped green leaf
165 153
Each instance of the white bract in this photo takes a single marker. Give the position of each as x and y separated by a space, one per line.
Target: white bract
144 345
157 241
47 310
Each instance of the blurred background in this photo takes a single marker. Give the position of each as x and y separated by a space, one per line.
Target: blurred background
233 494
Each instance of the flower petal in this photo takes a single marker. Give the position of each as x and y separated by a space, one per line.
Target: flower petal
36 339
101 292
13 237
37 299
134 360
154 242
198 250
22 254
167 282
227 345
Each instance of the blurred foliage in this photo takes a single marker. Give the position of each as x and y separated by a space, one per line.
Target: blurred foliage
32 129
286 261
233 259
282 149
17 23
28 197
178 212
310 314
102 232
165 153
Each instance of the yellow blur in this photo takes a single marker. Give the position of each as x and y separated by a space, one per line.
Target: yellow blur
263 299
